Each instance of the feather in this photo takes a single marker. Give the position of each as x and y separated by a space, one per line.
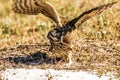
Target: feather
34 7
76 22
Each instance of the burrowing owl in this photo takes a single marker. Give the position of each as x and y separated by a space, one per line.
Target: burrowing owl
65 35
60 35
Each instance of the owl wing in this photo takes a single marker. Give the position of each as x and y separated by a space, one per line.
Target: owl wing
34 7
76 22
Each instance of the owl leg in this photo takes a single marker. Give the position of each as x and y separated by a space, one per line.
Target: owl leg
70 58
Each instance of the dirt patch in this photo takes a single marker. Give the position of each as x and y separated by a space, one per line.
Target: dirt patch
102 56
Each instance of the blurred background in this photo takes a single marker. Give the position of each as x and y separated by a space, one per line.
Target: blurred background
19 29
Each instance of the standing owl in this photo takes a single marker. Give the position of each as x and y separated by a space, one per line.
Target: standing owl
60 35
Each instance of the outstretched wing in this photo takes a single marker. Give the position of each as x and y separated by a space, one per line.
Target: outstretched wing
89 14
34 7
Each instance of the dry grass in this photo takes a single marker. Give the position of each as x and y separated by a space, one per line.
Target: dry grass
98 47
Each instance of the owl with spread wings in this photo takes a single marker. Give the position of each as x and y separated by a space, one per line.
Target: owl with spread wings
61 34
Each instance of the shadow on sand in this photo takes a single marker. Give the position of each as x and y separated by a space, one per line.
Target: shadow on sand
36 58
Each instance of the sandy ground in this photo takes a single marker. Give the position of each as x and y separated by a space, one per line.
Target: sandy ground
50 74
24 62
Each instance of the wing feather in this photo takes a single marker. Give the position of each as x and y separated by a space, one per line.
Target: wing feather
76 22
34 7
93 12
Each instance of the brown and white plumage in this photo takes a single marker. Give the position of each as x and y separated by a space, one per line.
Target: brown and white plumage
60 37
65 34
34 7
